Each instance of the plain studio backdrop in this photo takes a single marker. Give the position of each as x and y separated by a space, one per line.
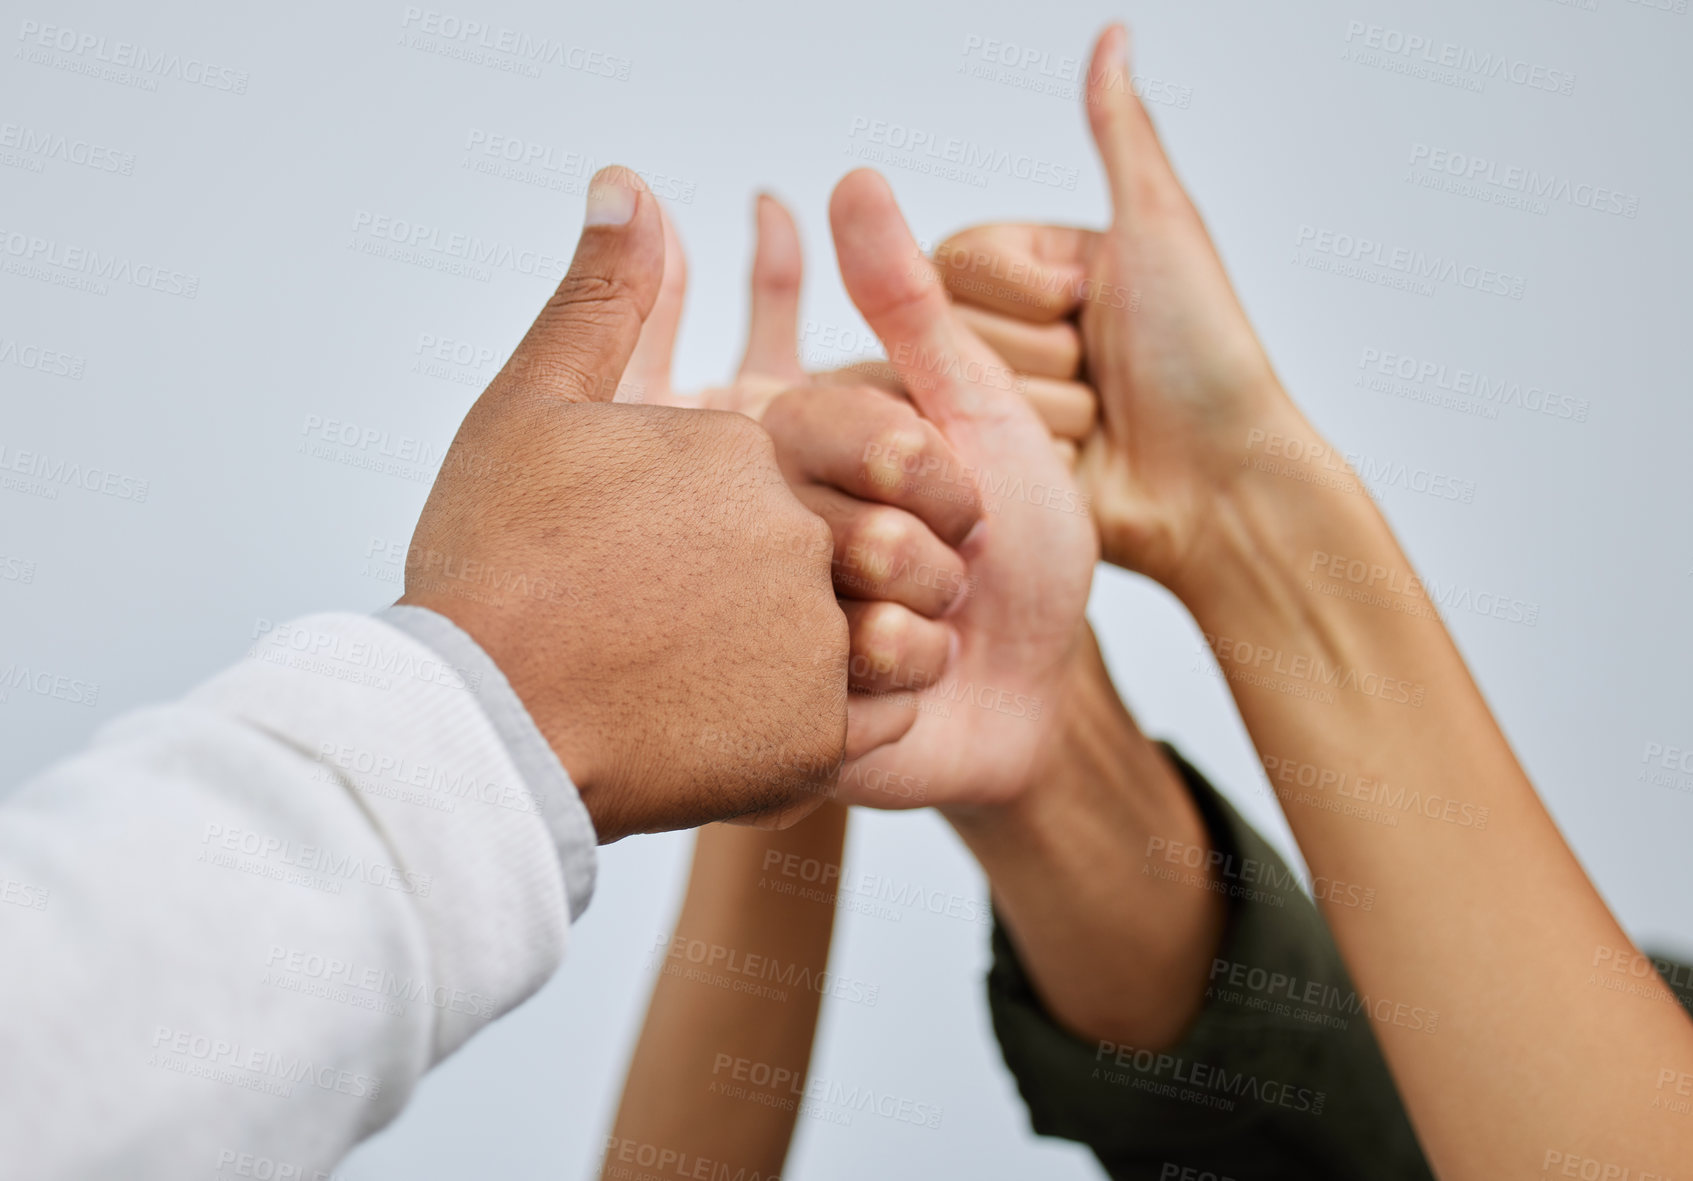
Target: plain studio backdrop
266 378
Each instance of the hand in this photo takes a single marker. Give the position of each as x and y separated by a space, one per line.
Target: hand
1181 376
902 485
654 593
771 362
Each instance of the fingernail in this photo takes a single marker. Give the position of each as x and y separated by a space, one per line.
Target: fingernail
610 201
1119 47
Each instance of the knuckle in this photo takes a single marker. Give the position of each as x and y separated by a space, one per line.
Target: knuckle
895 451
552 374
818 538
882 639
592 296
875 542
748 444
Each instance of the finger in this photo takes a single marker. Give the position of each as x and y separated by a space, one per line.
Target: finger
1067 407
580 343
647 378
773 331
1045 350
873 446
885 553
879 374
949 373
751 394
1136 169
894 650
1067 452
874 720
1028 272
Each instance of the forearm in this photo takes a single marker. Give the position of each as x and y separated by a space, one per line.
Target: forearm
1115 954
1445 882
232 891
718 1073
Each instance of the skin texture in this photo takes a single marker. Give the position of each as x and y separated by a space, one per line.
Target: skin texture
1207 477
655 594
690 1085
1116 954
979 729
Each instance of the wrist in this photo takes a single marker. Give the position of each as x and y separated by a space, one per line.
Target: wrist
1112 952
536 674
1290 502
1095 741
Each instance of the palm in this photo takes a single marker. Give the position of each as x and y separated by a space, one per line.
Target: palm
978 729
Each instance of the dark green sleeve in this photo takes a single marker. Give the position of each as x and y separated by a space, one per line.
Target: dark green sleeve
1280 1076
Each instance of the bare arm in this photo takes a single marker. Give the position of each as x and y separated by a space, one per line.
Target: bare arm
1497 927
719 1071
1117 955
1205 477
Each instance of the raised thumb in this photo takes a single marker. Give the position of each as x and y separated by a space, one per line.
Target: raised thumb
578 346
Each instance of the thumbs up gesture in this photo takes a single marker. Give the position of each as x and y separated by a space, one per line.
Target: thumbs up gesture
642 575
963 549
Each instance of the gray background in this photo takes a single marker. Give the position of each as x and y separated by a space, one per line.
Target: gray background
257 195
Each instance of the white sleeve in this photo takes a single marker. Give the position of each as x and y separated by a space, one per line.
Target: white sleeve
240 927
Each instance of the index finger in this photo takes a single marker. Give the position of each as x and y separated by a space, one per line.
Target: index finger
1030 272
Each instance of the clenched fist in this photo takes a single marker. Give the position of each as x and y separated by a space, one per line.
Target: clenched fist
643 576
